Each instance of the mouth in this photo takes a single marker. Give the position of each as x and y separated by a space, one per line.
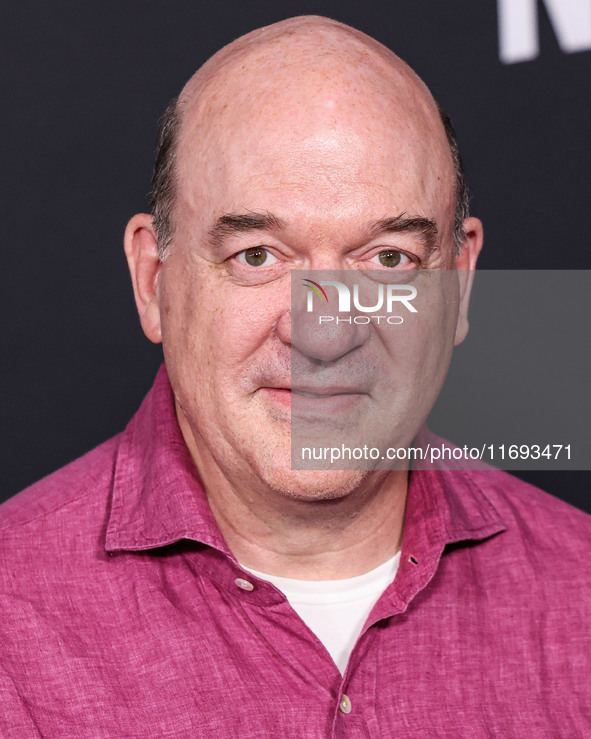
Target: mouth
325 392
308 399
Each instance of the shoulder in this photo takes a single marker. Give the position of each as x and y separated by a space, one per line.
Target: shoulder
539 520
528 513
533 567
73 493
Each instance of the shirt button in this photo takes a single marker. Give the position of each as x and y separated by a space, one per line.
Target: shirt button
345 704
244 584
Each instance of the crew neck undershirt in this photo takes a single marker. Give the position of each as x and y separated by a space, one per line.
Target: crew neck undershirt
336 610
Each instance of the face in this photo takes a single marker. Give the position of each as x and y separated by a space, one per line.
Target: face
289 179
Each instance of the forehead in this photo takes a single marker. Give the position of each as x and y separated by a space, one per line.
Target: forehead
309 124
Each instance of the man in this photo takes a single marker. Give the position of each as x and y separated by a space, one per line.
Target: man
144 586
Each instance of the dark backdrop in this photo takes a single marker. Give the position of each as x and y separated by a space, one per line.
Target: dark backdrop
82 87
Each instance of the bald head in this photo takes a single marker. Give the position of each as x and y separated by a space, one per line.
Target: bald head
297 84
294 48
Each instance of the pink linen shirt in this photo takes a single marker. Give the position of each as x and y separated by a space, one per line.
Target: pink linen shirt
124 614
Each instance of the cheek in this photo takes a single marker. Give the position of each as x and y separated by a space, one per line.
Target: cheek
235 331
215 331
426 340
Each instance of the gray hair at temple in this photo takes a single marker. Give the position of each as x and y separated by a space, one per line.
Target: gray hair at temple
164 182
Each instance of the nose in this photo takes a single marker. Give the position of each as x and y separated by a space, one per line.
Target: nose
328 337
319 330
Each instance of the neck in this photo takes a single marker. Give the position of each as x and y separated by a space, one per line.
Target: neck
315 540
304 538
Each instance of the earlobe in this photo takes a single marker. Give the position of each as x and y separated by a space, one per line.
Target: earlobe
466 264
141 250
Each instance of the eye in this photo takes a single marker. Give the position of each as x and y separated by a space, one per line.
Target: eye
391 258
256 256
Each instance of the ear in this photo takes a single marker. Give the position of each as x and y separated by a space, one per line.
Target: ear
465 263
141 250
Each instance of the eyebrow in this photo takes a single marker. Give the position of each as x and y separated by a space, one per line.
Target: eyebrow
424 227
229 224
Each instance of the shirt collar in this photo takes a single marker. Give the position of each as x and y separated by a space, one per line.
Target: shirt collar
158 497
457 498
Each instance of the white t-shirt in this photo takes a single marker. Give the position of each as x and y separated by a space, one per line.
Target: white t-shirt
336 610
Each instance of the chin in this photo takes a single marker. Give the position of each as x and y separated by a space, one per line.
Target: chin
312 485
272 465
